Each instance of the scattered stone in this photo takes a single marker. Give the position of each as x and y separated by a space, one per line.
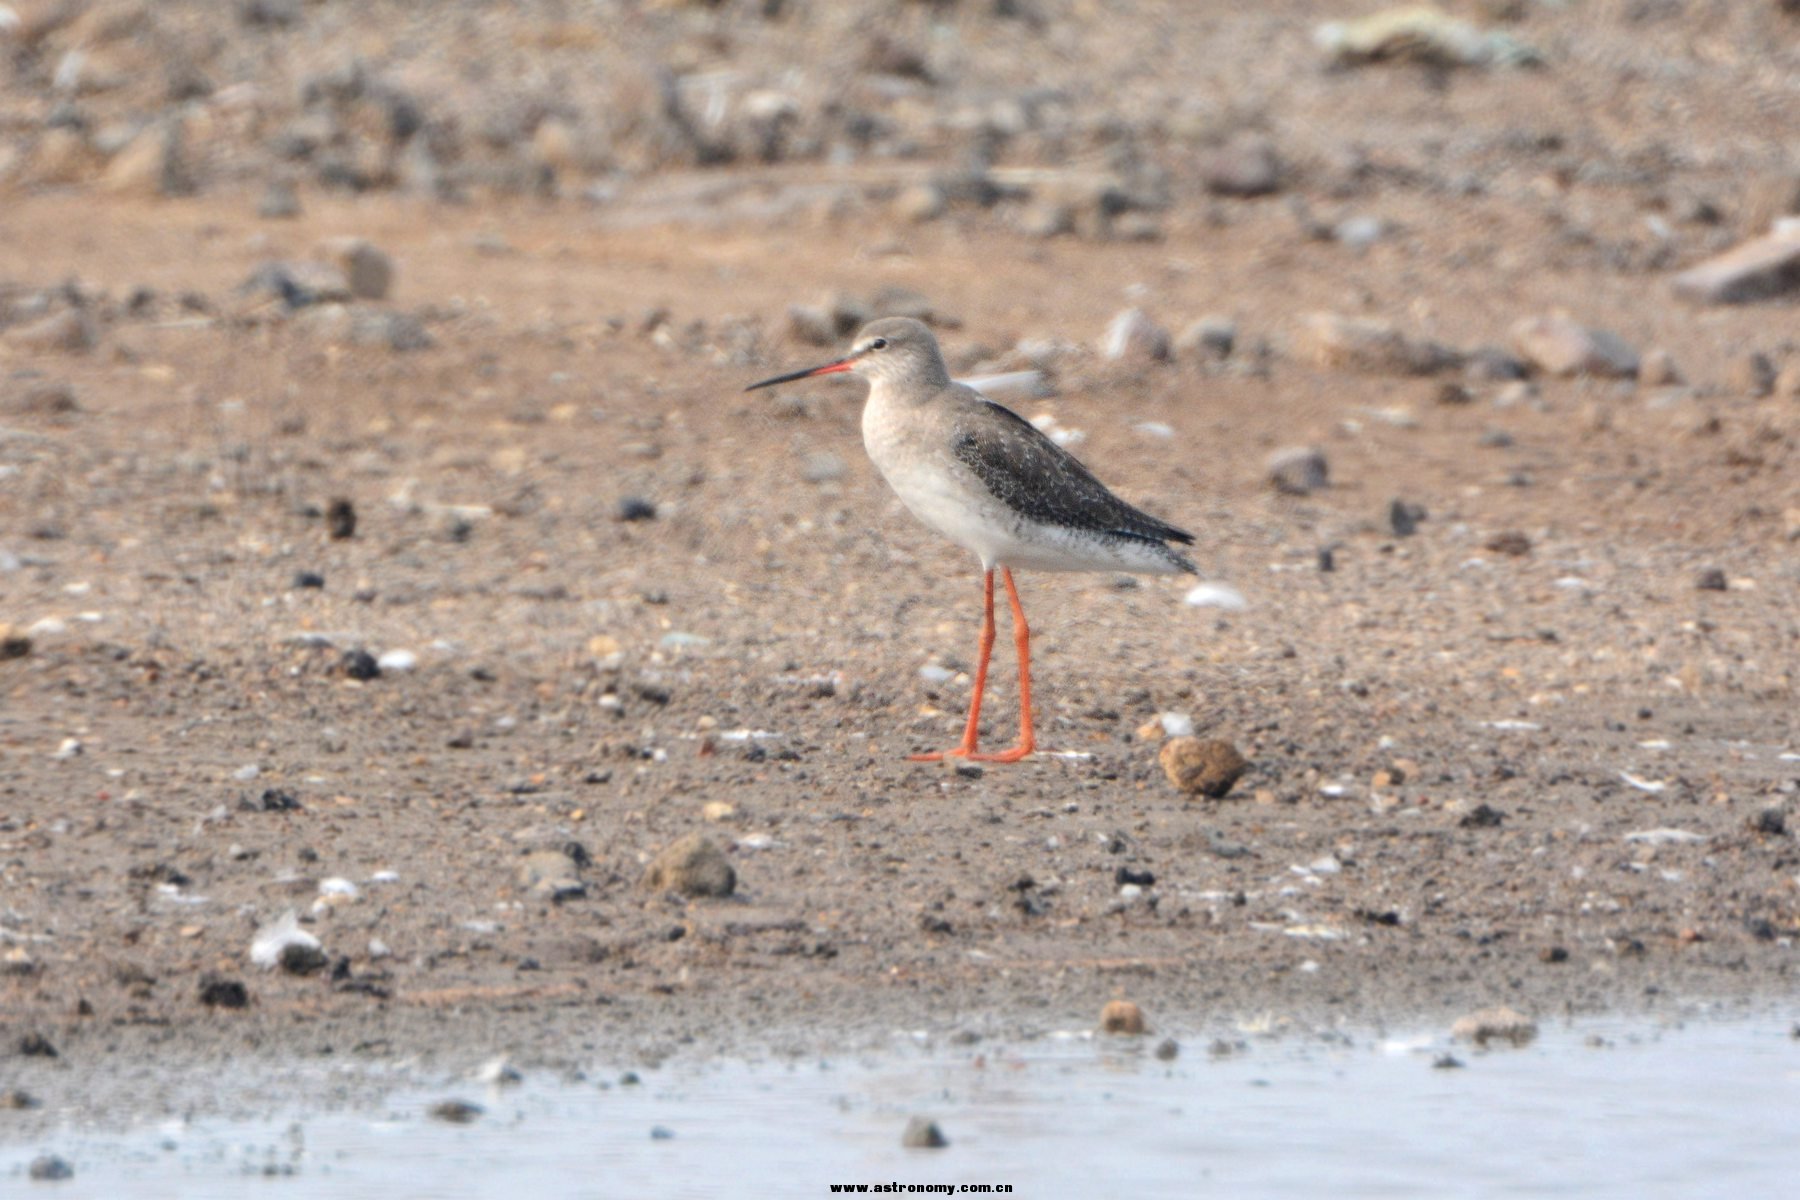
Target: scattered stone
1482 816
455 1112
48 1168
1495 1024
1246 165
1658 369
922 1133
1493 364
692 866
1561 346
36 1045
1046 219
1751 375
1420 33
823 467
340 519
1510 542
1712 580
308 579
1210 339
1376 347
1446 1062
1133 336
1553 954
661 1133
50 399
367 268
71 331
551 875
17 963
14 642
18 1100
397 661
219 992
636 508
271 800
1756 270
153 163
1122 1017
1404 517
1216 595
282 943
920 203
361 665
1206 768
1129 877
1769 822
280 201
1168 1050
1299 470
398 331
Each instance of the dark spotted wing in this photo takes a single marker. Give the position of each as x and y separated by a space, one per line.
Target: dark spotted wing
1041 481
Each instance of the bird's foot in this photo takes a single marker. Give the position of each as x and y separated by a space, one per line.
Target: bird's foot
1005 756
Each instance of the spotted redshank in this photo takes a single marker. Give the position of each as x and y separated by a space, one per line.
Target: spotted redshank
985 478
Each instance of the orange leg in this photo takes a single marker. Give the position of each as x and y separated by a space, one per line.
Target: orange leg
1022 642
972 730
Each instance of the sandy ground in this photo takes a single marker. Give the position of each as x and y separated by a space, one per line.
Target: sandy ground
759 644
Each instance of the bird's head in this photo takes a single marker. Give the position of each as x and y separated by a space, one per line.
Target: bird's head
895 350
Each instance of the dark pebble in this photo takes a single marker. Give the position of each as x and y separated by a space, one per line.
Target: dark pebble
1511 542
922 1133
1404 518
1761 928
308 579
15 1099
457 1112
300 959
360 664
1446 1062
1124 875
932 923
1168 1050
271 800
1553 954
36 1045
340 519
1328 558
1769 821
661 1133
47 1168
1712 580
223 993
636 508
629 1079
1482 817
969 771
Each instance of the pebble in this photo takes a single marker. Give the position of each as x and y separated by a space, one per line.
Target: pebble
1510 542
18 1100
1561 346
1216 595
397 660
455 1112
395 330
1210 339
366 267
48 1168
692 866
1168 1050
1751 375
551 875
1764 267
1658 369
1206 768
1299 470
340 519
360 664
823 467
304 580
1495 1024
71 331
14 642
1246 165
1122 1017
1375 347
1404 517
919 203
1133 336
283 943
922 1133
1712 580
280 201
636 508
219 992
69 748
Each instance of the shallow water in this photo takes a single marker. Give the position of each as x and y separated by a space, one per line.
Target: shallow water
1593 1109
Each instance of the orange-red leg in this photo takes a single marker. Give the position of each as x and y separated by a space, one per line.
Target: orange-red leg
972 730
1022 642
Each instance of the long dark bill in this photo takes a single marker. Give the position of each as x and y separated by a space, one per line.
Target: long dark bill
842 364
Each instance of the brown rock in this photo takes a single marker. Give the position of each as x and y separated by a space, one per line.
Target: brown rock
692 866
1751 375
70 331
1757 269
1299 470
1559 345
1510 542
1351 343
1247 165
551 875
1124 1017
368 271
1206 768
1495 1024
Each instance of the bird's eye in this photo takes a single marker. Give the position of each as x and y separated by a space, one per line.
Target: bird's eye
878 344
